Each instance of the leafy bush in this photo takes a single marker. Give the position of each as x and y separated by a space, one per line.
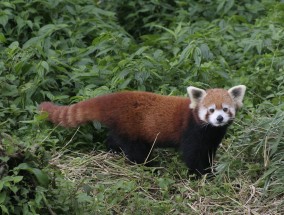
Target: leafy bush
68 51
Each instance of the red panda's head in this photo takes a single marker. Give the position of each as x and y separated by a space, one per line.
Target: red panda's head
217 107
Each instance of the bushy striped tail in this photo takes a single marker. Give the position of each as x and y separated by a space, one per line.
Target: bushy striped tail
69 116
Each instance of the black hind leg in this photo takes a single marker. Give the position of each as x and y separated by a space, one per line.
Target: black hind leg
114 144
136 152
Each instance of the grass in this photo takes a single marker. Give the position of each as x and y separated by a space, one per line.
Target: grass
128 189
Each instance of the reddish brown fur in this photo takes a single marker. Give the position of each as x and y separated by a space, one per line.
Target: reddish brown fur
217 97
134 114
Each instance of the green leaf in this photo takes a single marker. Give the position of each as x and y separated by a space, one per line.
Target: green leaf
83 198
221 5
1 185
166 29
125 83
2 197
186 52
4 158
41 177
4 209
14 45
34 41
97 125
17 179
45 65
2 38
51 28
4 19
140 51
7 4
197 56
229 4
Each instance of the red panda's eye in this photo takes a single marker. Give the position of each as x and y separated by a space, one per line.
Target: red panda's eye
211 110
225 109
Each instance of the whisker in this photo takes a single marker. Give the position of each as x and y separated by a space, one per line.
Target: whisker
204 125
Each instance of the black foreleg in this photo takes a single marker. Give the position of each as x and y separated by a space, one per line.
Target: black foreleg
198 158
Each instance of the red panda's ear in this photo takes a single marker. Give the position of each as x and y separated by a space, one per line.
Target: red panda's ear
195 95
237 93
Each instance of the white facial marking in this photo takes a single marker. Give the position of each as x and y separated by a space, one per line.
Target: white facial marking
216 117
202 112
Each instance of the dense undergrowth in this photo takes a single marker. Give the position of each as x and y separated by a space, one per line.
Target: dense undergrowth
67 51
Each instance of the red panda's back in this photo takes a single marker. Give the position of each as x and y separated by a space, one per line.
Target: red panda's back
145 115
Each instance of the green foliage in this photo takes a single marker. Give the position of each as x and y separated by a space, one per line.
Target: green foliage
67 51
23 178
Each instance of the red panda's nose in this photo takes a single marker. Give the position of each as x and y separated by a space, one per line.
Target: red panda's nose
220 118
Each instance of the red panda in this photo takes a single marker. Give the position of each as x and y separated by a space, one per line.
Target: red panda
137 120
